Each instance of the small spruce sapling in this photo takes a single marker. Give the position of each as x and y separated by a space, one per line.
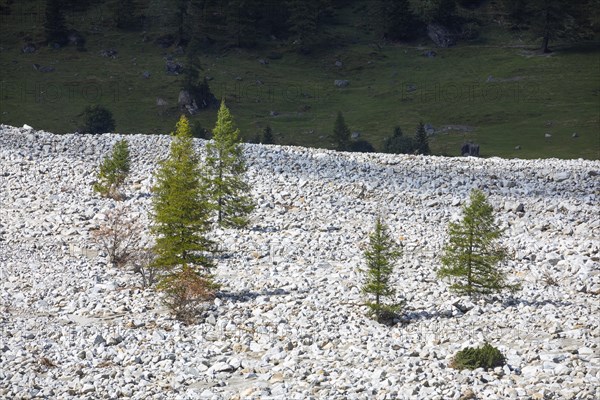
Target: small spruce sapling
380 258
114 171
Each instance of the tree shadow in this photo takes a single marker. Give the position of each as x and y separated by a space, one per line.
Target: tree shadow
514 302
248 295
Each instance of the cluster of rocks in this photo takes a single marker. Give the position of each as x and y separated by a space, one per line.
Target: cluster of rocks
288 322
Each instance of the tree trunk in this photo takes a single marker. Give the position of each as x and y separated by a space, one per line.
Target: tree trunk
545 48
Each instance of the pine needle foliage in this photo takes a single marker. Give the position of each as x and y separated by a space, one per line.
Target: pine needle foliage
225 169
380 257
472 254
181 222
486 357
114 171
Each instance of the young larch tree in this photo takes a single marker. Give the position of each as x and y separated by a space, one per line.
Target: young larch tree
225 169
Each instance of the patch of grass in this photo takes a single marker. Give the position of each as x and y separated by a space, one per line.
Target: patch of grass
527 96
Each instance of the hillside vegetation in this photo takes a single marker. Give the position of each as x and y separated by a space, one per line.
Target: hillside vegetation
493 87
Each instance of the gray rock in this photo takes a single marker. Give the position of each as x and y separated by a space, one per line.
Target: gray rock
341 83
561 176
173 68
440 35
98 340
28 48
109 53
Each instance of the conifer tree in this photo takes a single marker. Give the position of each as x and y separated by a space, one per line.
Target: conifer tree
268 136
341 133
113 171
181 222
54 23
303 23
241 22
421 141
398 143
197 87
225 169
472 254
380 258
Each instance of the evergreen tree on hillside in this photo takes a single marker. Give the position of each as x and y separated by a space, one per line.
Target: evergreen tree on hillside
268 136
97 119
380 258
551 19
181 222
341 133
394 19
113 171
398 143
421 140
304 20
225 173
554 19
125 15
242 17
435 11
472 254
197 87
55 29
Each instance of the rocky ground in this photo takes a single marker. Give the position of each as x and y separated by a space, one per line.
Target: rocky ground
289 323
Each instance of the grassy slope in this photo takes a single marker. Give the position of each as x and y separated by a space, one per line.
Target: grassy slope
531 94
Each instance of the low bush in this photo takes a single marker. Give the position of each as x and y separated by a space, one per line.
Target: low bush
97 119
486 357
118 236
186 292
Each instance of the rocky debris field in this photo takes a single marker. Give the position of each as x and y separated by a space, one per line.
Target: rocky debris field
288 323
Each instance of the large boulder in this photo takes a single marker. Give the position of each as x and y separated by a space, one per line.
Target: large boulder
185 98
28 48
440 35
173 68
341 83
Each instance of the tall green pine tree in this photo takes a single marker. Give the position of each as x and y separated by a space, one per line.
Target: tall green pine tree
180 211
341 133
380 258
471 255
225 173
421 140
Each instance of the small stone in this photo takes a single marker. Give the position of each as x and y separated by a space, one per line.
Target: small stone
561 176
98 340
88 388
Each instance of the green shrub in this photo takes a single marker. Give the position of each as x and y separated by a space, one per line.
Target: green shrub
398 143
97 119
361 146
486 357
